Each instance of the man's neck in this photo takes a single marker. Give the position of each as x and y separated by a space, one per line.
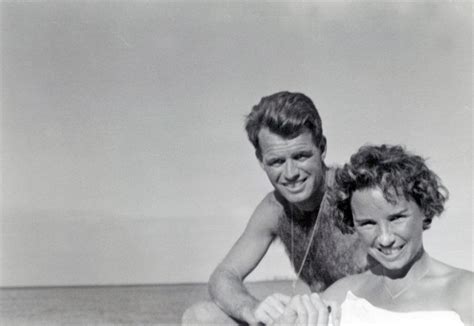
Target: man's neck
311 204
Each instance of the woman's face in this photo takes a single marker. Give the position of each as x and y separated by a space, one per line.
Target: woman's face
393 233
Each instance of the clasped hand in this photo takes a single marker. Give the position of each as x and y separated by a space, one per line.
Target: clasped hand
279 309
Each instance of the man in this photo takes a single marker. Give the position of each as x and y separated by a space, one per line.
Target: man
285 129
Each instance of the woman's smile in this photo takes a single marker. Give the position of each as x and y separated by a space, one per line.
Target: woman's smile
392 231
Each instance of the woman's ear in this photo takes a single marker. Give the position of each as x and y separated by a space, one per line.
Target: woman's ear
323 147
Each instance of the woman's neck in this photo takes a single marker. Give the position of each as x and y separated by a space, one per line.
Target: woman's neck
398 281
417 264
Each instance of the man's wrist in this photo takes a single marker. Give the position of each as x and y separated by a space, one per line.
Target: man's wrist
247 310
248 315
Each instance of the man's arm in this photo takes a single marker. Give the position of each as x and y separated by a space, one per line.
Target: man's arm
226 282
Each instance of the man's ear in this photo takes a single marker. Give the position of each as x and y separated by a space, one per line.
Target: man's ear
258 155
260 159
323 147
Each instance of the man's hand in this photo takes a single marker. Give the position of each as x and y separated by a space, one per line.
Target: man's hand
308 310
271 308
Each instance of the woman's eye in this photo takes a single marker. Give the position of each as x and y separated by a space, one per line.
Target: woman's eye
399 217
367 223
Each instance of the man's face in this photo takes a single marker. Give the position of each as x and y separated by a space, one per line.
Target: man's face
294 166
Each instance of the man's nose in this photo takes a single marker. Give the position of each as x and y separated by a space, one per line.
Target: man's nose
385 236
291 170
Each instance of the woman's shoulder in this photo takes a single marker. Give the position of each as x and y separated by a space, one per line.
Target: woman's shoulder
462 276
460 282
460 289
452 275
458 285
338 290
454 279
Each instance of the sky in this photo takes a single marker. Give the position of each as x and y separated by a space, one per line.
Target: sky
123 152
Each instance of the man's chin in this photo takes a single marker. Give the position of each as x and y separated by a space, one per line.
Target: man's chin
296 198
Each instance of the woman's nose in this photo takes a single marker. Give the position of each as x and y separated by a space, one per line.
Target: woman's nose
385 236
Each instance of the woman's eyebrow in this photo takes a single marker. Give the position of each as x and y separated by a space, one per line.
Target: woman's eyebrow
401 212
362 219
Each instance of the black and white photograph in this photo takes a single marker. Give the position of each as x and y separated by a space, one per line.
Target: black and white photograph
236 162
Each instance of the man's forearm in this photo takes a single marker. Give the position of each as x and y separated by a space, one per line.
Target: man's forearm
229 293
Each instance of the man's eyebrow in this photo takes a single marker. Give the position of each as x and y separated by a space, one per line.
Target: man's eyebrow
273 158
303 151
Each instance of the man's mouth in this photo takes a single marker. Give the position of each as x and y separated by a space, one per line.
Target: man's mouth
296 185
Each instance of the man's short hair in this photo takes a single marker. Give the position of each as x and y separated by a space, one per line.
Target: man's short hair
398 174
285 114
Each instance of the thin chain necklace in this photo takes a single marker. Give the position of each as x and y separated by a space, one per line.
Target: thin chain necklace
415 280
310 242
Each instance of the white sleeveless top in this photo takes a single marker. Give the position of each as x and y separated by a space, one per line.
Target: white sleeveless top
357 311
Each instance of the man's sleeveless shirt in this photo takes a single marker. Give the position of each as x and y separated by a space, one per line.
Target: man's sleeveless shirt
332 255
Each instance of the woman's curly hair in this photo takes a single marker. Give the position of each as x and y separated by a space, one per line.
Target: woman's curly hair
396 172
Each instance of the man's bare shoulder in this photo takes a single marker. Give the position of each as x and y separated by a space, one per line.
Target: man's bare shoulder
271 201
269 207
267 213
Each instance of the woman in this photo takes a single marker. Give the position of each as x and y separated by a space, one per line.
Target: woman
389 197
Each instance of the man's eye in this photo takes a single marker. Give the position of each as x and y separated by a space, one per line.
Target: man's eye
275 162
301 157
